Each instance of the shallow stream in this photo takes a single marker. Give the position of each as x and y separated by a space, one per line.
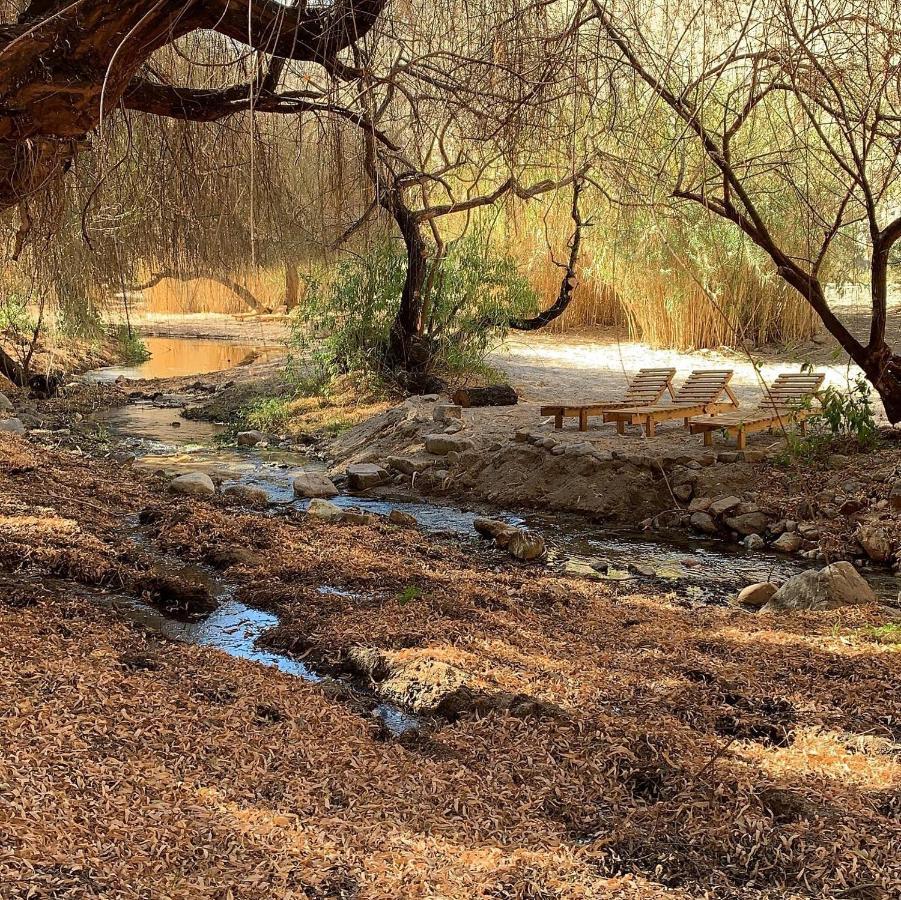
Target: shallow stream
174 357
697 571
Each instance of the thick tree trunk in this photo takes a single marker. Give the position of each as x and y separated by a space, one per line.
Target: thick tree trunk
406 349
883 370
880 365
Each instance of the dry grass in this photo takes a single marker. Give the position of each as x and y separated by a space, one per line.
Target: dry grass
696 752
661 302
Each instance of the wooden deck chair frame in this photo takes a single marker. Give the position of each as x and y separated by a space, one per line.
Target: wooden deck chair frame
783 404
700 393
647 386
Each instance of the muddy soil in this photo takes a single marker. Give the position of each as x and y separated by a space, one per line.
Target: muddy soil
635 748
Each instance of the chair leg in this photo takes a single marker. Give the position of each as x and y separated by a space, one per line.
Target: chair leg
686 421
620 426
740 439
650 427
558 421
583 420
708 438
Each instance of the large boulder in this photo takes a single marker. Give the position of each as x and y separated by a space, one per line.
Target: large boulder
5 403
703 522
526 545
787 542
250 438
408 465
839 584
404 520
749 523
193 484
415 680
723 505
756 595
442 444
246 494
489 528
876 542
314 484
362 476
447 412
13 426
324 510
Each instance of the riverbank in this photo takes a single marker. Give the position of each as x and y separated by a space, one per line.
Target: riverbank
636 748
842 504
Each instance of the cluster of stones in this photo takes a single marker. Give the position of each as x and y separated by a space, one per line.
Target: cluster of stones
757 528
838 584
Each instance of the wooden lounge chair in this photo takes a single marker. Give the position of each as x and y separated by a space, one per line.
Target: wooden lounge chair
700 394
786 402
648 386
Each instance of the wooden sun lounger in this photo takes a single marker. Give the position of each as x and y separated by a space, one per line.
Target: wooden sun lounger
648 386
783 404
700 394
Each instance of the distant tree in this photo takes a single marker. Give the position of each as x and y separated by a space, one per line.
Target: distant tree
773 108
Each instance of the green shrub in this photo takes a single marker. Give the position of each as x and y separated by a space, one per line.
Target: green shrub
132 349
843 416
470 297
269 415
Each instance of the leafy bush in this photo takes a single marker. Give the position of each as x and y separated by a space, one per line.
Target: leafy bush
850 414
843 416
470 296
131 347
16 322
270 414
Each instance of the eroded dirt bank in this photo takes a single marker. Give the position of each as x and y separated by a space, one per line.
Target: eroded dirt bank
844 505
642 750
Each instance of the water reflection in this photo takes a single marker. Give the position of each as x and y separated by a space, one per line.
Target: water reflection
177 357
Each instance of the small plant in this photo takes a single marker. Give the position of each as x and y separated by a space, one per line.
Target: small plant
410 593
849 414
132 349
843 416
270 414
890 633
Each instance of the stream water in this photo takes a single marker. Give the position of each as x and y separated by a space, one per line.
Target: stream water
172 357
703 570
697 571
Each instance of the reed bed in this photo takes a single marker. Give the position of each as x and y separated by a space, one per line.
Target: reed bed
686 290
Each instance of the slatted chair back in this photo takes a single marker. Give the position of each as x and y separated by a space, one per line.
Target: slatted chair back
791 389
648 386
704 386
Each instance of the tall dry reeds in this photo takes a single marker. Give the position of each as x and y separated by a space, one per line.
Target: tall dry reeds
685 287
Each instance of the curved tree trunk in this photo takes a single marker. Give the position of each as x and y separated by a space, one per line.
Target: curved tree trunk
405 348
568 284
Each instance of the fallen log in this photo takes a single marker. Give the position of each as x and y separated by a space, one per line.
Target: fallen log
492 395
